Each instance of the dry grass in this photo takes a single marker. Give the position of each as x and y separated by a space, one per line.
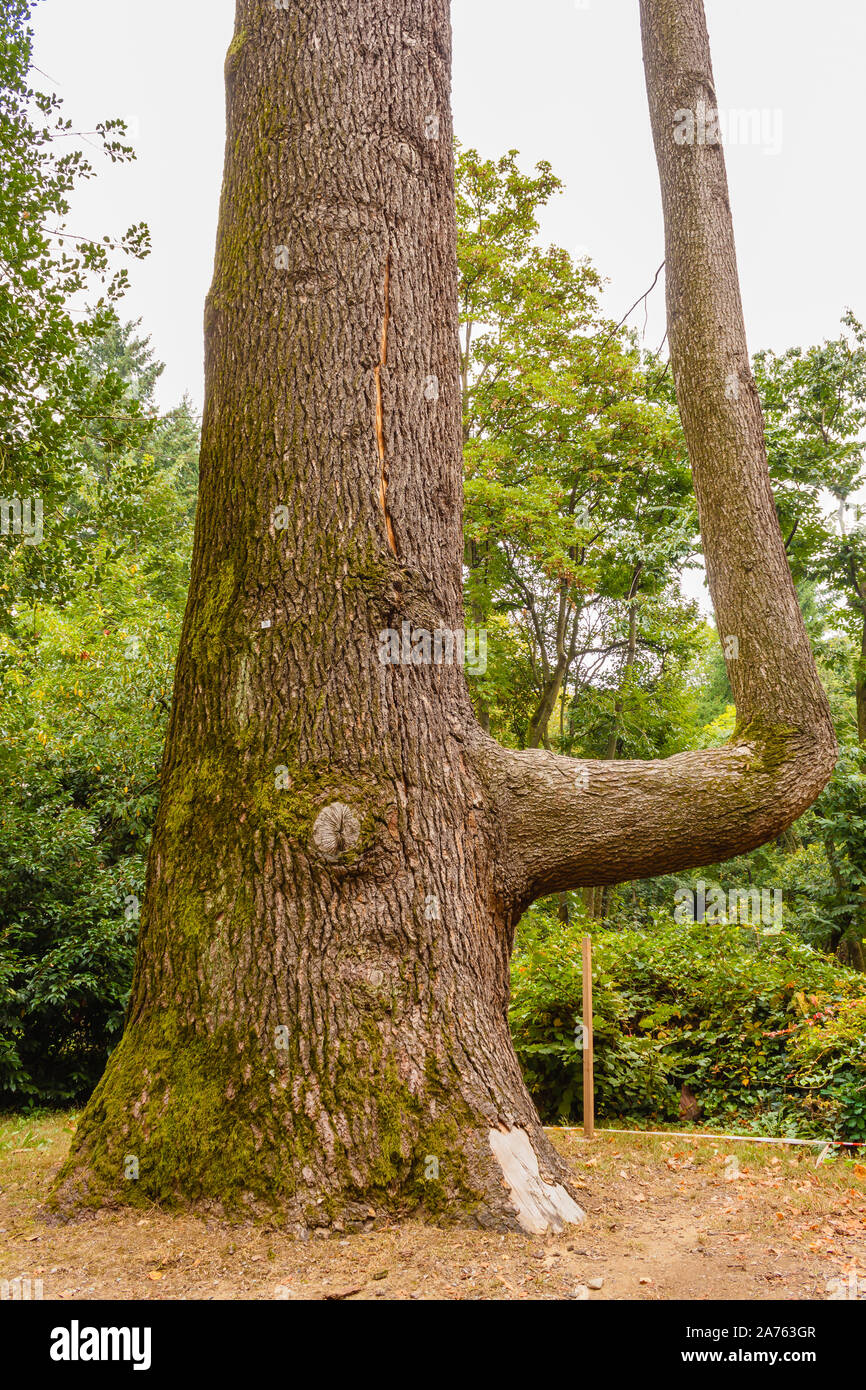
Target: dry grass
667 1218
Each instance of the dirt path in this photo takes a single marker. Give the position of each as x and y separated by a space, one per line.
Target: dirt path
666 1219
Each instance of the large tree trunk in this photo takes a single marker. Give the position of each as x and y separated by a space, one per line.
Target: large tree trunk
318 1025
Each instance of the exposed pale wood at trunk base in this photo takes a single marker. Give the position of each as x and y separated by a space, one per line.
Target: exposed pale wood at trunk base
318 1024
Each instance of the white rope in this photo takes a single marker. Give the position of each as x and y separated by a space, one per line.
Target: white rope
674 1134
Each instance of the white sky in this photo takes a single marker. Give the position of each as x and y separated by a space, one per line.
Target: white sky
555 79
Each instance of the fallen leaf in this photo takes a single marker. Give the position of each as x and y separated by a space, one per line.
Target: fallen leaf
510 1287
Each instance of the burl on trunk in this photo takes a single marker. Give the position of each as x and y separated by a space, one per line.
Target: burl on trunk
318 1023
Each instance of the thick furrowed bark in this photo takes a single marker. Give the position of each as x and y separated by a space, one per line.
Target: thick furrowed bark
318 1024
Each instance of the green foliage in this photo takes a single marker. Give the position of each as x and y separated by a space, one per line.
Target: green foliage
829 1054
836 912
49 394
579 513
815 410
65 954
546 1024
85 688
84 699
89 612
814 403
765 1031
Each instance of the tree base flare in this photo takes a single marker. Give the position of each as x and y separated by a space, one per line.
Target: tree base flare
175 1132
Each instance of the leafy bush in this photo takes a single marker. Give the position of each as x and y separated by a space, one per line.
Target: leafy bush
546 1019
66 956
829 1053
83 702
762 1029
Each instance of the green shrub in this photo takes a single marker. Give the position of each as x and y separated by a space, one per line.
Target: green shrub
829 1055
546 1019
758 1027
83 700
67 948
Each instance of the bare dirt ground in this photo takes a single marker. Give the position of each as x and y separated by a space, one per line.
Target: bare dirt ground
667 1218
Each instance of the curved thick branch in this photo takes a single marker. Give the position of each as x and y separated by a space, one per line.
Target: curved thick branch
567 824
564 824
770 664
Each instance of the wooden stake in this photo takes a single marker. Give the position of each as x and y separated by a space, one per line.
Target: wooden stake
588 1069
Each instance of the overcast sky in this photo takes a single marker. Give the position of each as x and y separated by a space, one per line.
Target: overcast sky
555 79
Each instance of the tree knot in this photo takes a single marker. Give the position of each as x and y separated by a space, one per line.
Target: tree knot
337 831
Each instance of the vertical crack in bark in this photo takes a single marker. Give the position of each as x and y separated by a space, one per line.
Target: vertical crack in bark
380 411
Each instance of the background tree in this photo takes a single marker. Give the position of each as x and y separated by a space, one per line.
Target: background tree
49 395
89 604
578 497
815 403
85 681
